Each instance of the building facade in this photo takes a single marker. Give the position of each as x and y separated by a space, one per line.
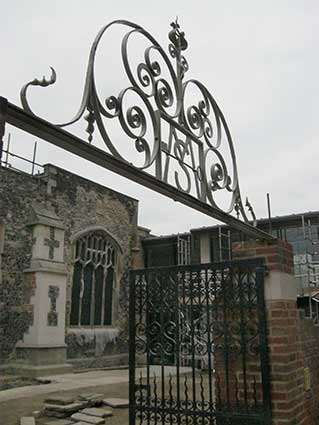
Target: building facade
215 243
66 246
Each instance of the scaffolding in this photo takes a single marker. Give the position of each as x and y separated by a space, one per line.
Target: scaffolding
183 249
7 156
306 268
220 245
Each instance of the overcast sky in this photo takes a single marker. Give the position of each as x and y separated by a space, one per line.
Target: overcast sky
258 58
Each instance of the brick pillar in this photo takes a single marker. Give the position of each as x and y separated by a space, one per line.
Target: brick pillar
289 395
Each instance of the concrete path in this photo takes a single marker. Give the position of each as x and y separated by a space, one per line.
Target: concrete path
71 381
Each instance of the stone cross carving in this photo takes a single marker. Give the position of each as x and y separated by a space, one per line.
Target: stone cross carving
51 243
53 315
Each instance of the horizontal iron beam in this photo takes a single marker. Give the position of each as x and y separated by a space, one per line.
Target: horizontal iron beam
71 143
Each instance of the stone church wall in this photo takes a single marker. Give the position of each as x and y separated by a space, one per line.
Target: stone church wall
17 193
80 205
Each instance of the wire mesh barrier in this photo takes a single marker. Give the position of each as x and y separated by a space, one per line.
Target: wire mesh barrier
198 345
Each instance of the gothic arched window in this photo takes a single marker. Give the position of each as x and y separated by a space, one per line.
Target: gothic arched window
94 280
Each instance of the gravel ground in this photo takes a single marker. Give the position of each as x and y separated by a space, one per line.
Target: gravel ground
12 410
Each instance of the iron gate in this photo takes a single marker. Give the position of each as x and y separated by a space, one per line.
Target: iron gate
198 345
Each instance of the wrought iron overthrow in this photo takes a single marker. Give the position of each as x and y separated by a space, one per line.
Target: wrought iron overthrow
201 333
197 131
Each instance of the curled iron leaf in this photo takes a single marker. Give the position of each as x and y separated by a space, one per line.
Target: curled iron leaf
36 82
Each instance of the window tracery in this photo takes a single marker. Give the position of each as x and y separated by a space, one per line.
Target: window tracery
94 280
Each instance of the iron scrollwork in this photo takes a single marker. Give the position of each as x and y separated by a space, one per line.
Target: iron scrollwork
198 133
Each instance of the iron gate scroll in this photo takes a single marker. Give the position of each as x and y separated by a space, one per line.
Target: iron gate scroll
198 345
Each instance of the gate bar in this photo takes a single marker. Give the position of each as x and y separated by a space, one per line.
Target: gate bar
38 127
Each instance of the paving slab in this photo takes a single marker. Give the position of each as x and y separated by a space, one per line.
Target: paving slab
99 412
60 422
96 403
87 419
55 414
63 400
79 423
27 420
67 408
116 402
91 396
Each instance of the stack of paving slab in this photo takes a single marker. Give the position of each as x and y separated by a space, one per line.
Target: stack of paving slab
84 410
63 406
97 415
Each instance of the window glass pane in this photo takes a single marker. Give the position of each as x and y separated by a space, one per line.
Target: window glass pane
75 296
108 297
98 295
87 295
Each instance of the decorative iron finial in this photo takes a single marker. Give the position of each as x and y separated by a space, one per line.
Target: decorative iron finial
178 44
90 118
237 206
177 37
